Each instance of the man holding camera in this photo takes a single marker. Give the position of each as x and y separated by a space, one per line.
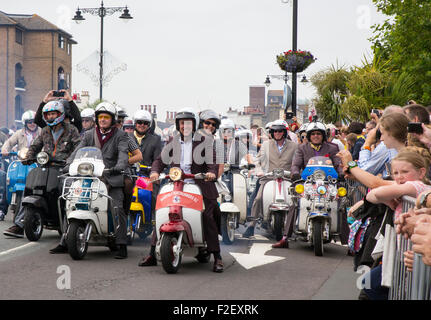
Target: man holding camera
72 114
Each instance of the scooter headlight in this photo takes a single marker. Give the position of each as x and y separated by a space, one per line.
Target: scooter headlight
321 190
42 158
85 169
299 188
228 198
175 173
342 192
319 175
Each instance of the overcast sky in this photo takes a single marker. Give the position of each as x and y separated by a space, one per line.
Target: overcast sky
206 54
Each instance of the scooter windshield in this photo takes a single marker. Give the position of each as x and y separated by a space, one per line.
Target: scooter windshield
322 164
89 153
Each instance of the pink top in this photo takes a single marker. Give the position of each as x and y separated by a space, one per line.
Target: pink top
420 187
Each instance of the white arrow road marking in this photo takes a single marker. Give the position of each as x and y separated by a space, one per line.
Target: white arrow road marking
31 244
256 257
255 237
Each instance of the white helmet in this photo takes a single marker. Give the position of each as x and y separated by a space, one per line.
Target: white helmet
29 115
267 126
302 128
87 113
244 133
120 112
106 107
316 126
187 113
142 115
278 125
227 124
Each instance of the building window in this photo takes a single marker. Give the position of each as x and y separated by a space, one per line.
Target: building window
19 79
69 47
18 107
18 36
60 41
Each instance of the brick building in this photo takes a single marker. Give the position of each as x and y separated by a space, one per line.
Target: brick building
35 57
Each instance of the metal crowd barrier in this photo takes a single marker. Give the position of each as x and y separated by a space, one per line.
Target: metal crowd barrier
415 285
355 191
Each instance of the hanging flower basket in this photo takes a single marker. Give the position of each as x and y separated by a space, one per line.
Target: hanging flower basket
295 61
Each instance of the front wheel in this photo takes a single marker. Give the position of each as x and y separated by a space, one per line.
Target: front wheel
76 244
33 224
278 225
228 225
318 238
171 260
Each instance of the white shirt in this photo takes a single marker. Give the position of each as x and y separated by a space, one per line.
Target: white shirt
186 157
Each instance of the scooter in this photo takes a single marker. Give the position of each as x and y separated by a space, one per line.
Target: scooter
319 203
15 180
276 201
233 201
40 202
179 228
89 222
140 220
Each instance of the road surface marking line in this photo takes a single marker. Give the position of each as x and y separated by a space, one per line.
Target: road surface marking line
3 253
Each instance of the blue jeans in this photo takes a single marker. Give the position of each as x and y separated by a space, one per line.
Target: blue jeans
377 291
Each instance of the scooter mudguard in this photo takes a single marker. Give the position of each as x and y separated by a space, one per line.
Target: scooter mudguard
178 227
35 201
85 215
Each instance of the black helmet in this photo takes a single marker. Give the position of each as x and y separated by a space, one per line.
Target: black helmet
186 113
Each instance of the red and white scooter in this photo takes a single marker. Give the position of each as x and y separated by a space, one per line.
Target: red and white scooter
179 228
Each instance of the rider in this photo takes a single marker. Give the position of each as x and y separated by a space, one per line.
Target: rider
316 146
179 153
209 123
22 139
87 116
58 138
276 153
149 144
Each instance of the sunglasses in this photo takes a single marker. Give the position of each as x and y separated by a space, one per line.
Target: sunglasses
29 122
210 123
278 130
86 120
316 133
103 117
227 131
147 123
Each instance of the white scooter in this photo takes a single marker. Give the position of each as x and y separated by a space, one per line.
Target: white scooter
233 207
179 219
277 201
87 201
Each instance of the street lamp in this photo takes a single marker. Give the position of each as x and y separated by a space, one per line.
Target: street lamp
102 12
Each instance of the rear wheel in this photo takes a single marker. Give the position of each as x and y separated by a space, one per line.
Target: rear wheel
228 225
318 238
76 244
171 260
33 224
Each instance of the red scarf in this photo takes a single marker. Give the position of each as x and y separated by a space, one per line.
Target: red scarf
107 136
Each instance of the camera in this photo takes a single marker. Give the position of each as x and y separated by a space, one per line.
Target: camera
378 134
289 115
415 127
58 94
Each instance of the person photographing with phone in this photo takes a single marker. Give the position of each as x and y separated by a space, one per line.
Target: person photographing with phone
72 113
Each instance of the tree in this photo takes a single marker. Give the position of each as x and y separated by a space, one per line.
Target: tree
331 86
404 41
